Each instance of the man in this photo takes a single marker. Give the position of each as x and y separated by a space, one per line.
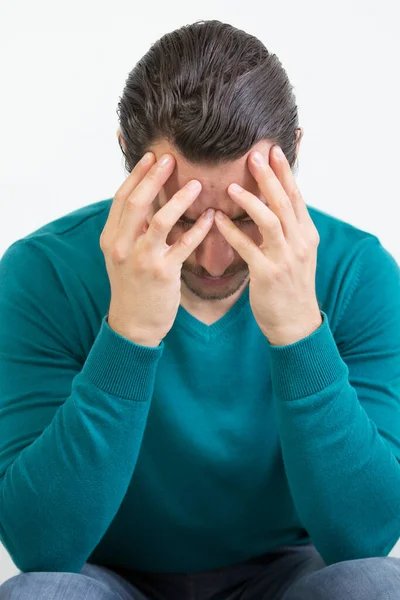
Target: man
196 406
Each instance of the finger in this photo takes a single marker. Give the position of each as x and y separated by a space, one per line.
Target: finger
285 175
129 184
138 202
239 241
267 221
188 242
276 197
164 219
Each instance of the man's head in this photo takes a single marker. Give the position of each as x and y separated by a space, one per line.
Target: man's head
208 94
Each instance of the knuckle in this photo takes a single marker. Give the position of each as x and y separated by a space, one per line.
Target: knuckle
282 270
296 195
119 252
102 241
186 240
140 262
157 223
316 239
131 201
275 225
118 196
158 270
277 272
285 203
303 251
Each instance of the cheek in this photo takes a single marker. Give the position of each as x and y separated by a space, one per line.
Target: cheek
173 236
256 236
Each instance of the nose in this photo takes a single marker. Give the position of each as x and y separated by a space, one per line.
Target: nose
214 254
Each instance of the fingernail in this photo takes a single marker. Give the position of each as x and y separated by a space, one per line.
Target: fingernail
164 160
257 158
278 151
194 185
147 158
235 188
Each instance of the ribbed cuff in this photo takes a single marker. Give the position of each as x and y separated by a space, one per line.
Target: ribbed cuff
120 367
307 366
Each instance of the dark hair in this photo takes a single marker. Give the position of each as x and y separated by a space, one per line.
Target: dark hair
212 91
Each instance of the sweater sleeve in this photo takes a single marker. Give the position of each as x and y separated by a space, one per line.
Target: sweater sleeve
338 411
70 429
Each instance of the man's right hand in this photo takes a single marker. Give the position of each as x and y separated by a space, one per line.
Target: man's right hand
144 272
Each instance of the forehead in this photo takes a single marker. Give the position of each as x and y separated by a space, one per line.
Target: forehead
214 180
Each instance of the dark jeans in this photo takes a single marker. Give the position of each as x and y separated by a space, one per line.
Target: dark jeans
288 573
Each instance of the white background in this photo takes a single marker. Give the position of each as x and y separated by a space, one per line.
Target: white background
63 69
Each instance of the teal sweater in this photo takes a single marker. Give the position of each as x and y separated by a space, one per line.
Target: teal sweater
213 447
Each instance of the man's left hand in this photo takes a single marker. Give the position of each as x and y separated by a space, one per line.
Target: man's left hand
282 269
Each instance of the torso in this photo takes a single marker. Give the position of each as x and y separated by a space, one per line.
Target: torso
207 315
208 318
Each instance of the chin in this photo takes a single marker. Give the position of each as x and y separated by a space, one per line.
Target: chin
209 291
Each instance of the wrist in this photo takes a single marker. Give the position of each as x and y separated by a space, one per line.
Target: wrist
144 342
134 335
291 336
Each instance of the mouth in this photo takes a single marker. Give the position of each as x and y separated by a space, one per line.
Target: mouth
215 280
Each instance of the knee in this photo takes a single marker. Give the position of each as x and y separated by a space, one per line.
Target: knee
54 585
360 579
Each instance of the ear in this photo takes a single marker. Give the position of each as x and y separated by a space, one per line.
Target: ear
299 136
120 139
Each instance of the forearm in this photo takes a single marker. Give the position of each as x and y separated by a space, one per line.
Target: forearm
343 476
62 491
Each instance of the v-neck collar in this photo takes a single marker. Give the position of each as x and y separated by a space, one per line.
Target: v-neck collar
207 332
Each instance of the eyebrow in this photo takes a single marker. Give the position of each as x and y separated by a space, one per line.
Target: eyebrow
239 217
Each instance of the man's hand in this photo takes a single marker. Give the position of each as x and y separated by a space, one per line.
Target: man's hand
144 271
282 270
